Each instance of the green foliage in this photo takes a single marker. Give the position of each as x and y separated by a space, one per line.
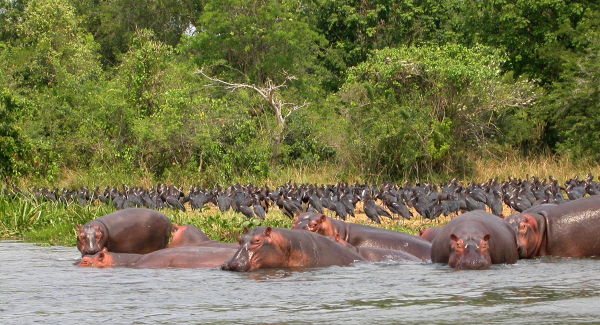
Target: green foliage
574 102
356 28
419 109
536 35
108 87
260 39
15 148
114 23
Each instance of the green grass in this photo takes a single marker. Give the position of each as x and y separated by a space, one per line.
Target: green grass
54 224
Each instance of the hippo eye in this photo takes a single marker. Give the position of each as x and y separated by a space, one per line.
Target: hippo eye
82 236
256 241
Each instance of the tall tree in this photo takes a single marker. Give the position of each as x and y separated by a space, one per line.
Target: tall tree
260 39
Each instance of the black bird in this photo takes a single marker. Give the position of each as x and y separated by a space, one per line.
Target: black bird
398 208
223 202
340 210
421 206
371 211
245 210
259 211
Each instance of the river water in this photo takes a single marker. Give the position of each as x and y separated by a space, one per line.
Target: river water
41 285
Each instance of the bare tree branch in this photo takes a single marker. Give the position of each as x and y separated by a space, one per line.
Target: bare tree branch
270 93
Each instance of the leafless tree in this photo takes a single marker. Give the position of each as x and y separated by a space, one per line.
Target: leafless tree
270 93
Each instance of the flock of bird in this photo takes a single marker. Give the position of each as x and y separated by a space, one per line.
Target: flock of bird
388 200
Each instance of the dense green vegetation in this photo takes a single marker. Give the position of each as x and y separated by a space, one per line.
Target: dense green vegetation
48 223
387 89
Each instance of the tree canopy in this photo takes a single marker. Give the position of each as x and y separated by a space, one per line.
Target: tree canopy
396 88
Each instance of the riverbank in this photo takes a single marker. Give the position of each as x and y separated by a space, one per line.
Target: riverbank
54 223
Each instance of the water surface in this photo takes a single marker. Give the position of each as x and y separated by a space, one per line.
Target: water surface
41 285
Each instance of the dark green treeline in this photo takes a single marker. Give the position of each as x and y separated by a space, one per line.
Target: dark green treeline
384 88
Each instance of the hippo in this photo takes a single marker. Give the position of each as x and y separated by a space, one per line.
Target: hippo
189 257
193 257
189 235
372 254
267 247
429 233
475 240
535 209
571 229
106 259
136 231
362 235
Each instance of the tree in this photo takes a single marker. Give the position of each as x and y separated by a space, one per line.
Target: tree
270 92
421 109
258 40
354 28
536 34
113 23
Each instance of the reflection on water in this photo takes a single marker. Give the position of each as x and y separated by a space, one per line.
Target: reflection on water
40 285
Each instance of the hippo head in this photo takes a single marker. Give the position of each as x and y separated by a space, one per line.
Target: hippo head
259 248
91 238
101 260
312 222
470 252
527 228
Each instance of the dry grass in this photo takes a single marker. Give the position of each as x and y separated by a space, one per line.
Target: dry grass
542 167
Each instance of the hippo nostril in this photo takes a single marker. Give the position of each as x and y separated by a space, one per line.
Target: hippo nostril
478 264
228 266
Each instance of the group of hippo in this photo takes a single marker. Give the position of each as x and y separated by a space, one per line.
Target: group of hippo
143 238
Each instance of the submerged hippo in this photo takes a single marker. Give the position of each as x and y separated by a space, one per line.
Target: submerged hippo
372 254
106 259
189 235
571 229
429 233
137 231
189 257
475 240
266 247
363 236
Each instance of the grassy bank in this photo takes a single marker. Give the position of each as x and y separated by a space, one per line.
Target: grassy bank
54 224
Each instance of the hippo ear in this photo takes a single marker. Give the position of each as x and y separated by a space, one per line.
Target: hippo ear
101 256
338 237
421 232
79 228
298 213
453 237
268 232
246 230
322 218
487 237
104 249
175 226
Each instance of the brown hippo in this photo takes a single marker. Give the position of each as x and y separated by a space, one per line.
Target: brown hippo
429 233
137 231
372 254
266 247
105 259
189 235
475 240
363 236
571 229
190 257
